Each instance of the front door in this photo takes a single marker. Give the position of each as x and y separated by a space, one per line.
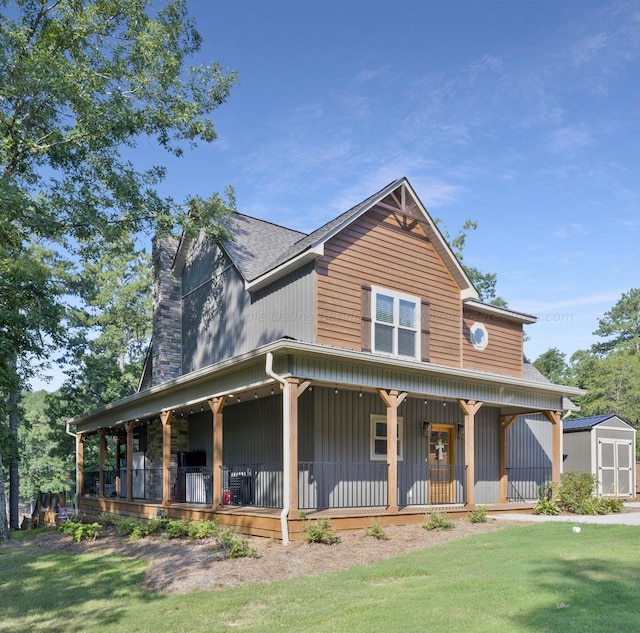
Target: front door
440 458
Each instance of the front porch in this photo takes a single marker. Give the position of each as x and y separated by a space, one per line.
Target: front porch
258 447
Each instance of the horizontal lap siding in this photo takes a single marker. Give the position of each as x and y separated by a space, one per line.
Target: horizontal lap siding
503 354
375 250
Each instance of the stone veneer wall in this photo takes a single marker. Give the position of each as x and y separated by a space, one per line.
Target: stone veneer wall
166 350
179 441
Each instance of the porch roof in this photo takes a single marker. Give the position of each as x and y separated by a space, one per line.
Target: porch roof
327 365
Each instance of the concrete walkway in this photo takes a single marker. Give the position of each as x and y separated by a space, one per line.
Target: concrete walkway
631 517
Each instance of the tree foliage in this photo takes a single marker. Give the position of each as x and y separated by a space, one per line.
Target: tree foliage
610 370
82 83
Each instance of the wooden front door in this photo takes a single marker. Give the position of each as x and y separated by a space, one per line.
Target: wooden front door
440 458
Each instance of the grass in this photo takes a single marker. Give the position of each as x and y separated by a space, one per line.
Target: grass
522 579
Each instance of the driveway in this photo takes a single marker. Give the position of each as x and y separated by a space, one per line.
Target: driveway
630 517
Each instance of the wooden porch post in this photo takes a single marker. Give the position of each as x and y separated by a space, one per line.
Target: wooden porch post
296 389
392 400
79 466
469 408
216 405
103 447
129 428
556 451
165 419
505 422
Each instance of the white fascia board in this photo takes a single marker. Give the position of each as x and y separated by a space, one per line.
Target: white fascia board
285 268
503 313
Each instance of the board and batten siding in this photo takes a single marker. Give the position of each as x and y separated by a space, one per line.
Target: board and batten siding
503 354
379 249
577 448
221 319
487 455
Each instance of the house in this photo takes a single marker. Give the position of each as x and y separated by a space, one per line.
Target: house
603 445
351 373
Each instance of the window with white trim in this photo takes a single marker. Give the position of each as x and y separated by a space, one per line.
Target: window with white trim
378 449
395 323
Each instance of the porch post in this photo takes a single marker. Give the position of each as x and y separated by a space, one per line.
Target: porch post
103 447
129 428
79 467
296 388
556 451
469 408
505 422
392 400
165 419
216 405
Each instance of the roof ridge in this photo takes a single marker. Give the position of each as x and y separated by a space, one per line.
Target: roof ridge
280 226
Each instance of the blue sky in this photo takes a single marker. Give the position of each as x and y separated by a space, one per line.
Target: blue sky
523 116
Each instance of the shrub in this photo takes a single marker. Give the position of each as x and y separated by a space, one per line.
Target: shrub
546 507
375 530
576 492
179 528
80 531
478 515
202 529
438 521
321 531
235 546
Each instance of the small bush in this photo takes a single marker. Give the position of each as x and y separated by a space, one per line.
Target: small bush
235 546
478 515
179 528
576 492
610 504
321 531
438 521
375 530
202 529
80 531
546 507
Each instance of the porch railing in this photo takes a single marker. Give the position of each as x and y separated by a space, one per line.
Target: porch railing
524 483
323 485
431 484
255 484
193 484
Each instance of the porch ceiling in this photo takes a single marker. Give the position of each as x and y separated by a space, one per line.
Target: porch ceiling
245 375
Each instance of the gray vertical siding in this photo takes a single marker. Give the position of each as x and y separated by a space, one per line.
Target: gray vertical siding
577 448
220 319
487 455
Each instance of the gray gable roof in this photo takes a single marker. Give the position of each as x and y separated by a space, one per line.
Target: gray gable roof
256 242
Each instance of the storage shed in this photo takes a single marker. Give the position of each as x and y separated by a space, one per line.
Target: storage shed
605 446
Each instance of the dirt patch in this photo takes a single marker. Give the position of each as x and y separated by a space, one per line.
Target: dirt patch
180 566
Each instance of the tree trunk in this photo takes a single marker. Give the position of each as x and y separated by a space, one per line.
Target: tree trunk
14 475
4 530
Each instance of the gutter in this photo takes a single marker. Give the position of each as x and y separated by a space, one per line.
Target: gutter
286 457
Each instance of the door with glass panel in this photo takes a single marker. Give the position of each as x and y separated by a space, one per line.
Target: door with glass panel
441 464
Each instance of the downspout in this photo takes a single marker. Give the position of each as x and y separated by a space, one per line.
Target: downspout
75 436
285 446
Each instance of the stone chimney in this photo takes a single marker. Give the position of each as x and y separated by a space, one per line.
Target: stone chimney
166 351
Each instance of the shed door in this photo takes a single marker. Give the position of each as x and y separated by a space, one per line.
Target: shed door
615 461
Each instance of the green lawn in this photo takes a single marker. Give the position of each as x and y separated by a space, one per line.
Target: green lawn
531 579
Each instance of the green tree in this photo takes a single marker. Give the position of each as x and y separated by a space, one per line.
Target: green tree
552 365
621 325
81 84
42 465
485 283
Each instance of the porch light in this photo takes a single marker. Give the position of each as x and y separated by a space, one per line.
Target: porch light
256 395
444 404
360 394
460 430
426 428
335 390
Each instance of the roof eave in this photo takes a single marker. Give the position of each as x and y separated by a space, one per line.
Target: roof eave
504 313
284 269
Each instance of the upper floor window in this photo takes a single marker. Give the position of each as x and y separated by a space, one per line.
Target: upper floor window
395 323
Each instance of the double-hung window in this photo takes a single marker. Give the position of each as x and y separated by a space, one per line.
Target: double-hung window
395 323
